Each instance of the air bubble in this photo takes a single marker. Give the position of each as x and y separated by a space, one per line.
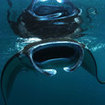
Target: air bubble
92 11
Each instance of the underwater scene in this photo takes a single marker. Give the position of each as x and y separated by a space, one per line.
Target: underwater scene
52 52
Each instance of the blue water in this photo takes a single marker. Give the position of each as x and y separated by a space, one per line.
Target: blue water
76 88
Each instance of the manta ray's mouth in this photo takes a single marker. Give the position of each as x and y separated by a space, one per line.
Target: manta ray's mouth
54 52
58 51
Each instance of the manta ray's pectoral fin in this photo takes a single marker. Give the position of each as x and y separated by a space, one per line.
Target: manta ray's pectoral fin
12 68
90 65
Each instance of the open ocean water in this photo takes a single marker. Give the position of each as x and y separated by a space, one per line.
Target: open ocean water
76 88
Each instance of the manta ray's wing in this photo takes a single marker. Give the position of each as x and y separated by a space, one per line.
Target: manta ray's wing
90 64
9 73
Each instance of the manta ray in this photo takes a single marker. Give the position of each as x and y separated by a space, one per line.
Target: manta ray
57 26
